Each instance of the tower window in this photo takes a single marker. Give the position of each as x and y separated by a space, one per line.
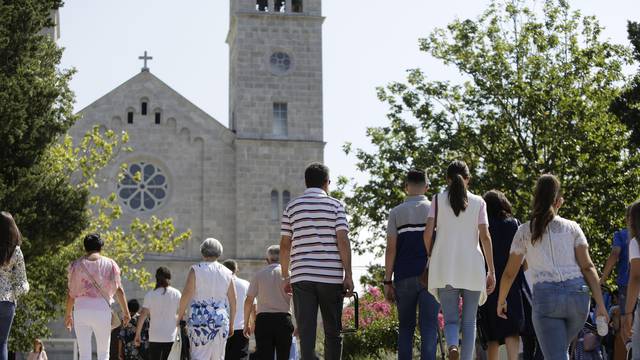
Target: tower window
286 197
158 117
296 6
280 6
130 117
275 209
143 108
280 119
262 5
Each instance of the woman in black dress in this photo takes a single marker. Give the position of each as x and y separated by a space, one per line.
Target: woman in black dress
498 331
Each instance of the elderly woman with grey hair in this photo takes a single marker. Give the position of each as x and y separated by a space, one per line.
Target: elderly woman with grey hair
210 295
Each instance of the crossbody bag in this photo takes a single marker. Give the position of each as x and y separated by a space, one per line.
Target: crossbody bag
116 320
424 278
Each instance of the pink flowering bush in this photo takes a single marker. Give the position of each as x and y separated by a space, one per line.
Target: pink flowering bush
378 332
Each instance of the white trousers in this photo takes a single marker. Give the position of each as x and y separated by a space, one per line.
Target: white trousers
97 322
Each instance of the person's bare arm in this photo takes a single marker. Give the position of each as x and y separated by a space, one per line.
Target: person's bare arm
508 276
591 277
390 256
389 262
633 290
344 247
487 247
122 300
427 237
68 317
285 260
187 295
143 317
612 260
248 309
231 296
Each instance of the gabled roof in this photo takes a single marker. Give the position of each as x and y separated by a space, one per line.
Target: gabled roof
153 86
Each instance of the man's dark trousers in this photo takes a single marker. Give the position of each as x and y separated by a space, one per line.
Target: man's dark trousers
273 334
307 297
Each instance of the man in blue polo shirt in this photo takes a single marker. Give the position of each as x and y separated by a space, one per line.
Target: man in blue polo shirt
620 255
405 261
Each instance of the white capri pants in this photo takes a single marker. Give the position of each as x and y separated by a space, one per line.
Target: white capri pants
97 322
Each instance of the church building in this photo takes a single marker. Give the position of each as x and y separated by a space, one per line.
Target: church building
228 182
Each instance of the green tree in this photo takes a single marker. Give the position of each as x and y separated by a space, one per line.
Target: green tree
45 180
627 105
36 107
47 273
535 98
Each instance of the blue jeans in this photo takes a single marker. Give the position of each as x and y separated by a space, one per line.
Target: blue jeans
449 299
409 296
560 310
7 311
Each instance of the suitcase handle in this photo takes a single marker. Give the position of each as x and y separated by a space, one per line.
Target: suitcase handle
356 313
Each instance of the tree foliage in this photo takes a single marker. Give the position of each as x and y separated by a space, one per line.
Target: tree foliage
535 98
627 105
82 163
46 180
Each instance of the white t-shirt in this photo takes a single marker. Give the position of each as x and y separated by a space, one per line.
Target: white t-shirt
242 286
162 307
634 251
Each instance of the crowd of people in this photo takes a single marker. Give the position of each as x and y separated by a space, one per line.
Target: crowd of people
460 254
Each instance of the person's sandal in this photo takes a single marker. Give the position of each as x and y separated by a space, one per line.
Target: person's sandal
454 353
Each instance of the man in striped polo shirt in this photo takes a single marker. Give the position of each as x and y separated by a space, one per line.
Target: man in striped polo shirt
315 249
405 260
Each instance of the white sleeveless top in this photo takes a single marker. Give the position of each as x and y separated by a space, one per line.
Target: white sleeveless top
212 281
457 259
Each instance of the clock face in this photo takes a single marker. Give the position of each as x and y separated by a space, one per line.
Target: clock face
280 63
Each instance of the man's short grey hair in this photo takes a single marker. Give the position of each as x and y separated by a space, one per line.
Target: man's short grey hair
211 248
273 253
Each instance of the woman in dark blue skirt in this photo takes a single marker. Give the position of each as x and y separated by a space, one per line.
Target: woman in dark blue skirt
498 331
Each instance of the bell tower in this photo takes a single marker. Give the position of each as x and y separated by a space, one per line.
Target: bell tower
275 105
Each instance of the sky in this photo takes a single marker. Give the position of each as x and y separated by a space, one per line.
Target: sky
366 44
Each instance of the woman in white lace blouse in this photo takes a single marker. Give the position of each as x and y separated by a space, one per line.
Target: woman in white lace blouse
13 278
557 255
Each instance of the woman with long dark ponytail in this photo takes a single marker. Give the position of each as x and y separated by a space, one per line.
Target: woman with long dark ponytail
161 304
457 264
562 272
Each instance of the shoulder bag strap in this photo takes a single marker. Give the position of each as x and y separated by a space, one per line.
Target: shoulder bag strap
435 226
95 284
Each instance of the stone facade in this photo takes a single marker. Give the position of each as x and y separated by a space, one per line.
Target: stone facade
232 182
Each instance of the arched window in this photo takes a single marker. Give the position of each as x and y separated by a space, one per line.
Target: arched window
130 116
286 198
143 108
275 208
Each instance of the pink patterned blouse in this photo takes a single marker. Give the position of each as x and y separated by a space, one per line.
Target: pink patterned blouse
104 271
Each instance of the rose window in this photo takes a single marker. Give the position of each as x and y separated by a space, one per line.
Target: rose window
143 187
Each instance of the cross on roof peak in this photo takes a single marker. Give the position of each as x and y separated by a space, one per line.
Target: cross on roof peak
145 58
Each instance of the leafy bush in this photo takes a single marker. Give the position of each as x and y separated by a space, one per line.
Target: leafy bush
378 332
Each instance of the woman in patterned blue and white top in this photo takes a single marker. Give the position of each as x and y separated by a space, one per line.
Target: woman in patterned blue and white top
13 278
211 297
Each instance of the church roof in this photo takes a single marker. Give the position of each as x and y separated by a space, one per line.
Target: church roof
146 84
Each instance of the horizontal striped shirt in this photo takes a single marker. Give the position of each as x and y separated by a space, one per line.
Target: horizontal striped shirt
312 221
